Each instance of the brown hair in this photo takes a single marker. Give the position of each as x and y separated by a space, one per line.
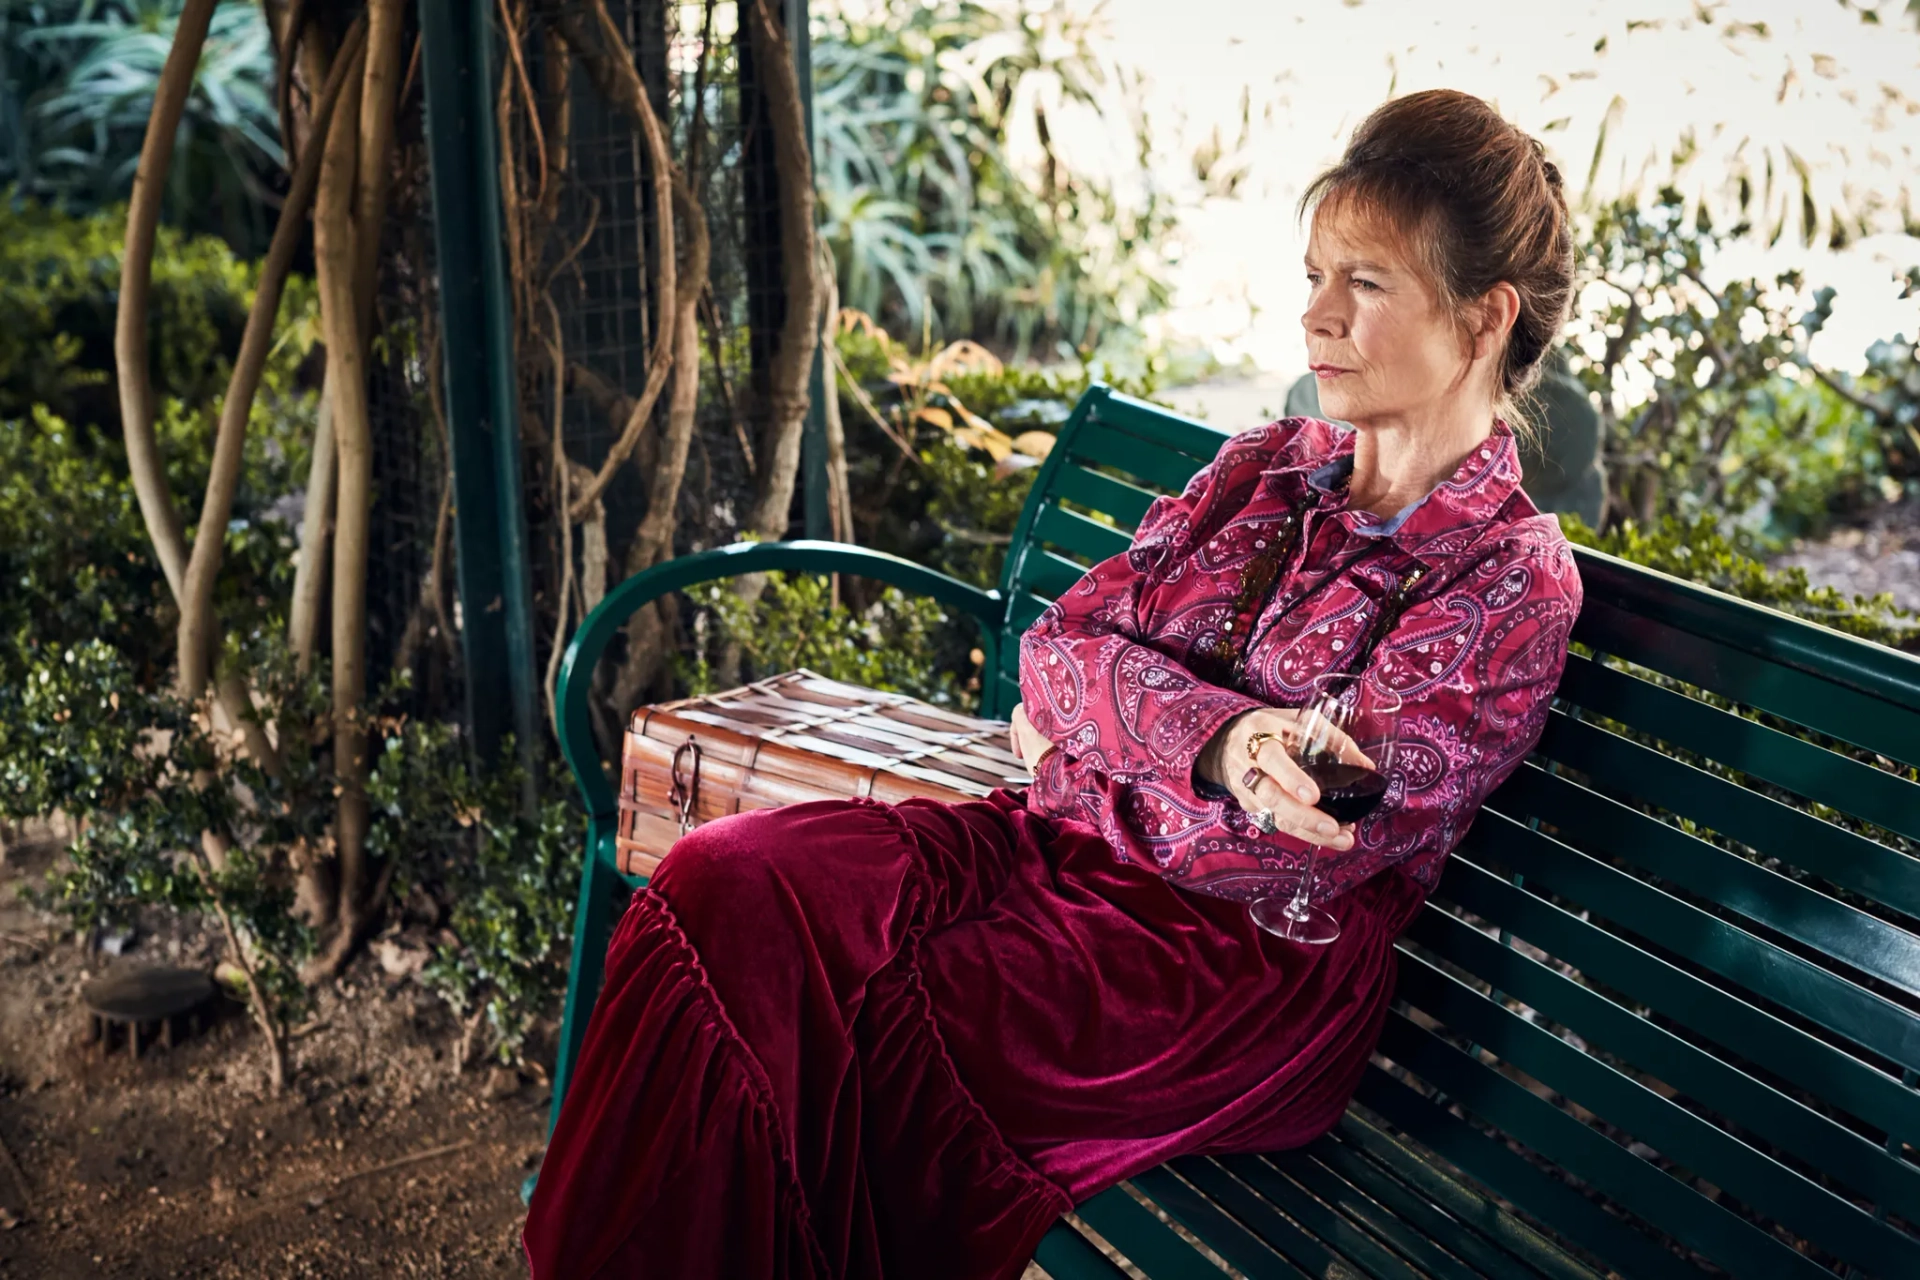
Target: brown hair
1477 201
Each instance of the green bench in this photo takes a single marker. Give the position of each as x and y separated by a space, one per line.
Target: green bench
1661 1017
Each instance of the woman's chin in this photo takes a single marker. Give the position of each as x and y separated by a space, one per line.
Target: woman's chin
1337 406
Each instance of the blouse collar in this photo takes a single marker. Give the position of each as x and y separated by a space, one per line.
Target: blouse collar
1436 527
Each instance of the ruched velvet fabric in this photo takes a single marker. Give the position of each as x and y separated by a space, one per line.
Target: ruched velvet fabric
845 1039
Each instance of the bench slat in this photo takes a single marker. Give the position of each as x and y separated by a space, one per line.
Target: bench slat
1843 857
1176 431
1047 573
1753 1105
1746 1029
1759 1181
1352 1243
1442 1209
1318 1179
1826 706
1068 1255
1239 1246
1096 491
1776 638
1148 1243
1022 611
1800 985
1799 911
1805 768
1652 1195
1274 1228
1099 445
1513 1178
1078 535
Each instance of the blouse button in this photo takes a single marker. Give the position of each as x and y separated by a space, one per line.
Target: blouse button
1338 645
1226 626
1485 454
1435 668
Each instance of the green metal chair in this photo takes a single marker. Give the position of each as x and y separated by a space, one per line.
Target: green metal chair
1661 1017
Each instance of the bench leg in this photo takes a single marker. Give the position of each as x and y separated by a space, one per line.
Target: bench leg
592 921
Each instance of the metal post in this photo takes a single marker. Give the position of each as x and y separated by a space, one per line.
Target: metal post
503 405
476 340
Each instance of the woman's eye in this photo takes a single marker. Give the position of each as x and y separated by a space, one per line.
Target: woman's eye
1313 278
1367 286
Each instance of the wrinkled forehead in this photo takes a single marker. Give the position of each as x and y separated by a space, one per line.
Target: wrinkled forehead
1350 226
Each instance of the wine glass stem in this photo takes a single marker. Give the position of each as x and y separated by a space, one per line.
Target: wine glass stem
1297 909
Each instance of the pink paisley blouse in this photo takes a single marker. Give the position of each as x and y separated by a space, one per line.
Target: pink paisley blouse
1109 673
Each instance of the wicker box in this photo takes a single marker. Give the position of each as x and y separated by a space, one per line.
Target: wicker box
794 737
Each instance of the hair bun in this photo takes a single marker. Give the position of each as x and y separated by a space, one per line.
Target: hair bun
1553 174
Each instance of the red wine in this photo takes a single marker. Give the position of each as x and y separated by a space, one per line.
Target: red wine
1348 792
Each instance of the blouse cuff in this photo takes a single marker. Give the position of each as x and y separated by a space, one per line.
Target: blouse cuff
1211 707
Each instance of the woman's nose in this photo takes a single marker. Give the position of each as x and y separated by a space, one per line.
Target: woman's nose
1322 317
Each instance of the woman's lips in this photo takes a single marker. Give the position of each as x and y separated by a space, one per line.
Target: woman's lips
1326 371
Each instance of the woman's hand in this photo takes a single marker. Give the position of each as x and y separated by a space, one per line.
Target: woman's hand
1028 744
1269 779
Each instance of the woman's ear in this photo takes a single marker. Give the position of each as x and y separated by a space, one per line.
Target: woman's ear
1494 317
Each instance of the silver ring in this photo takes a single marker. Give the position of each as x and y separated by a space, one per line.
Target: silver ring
1264 821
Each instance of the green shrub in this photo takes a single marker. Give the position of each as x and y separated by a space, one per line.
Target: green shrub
892 645
125 760
1697 551
75 558
508 879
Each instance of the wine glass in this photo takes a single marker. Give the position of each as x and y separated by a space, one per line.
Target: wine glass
1348 736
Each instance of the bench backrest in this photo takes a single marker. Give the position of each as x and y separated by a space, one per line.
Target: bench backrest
1666 999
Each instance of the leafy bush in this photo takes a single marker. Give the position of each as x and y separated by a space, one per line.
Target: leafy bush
1710 404
933 226
126 761
509 879
1697 551
75 558
891 644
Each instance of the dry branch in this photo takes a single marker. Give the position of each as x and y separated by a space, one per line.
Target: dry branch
256 994
609 64
653 541
839 495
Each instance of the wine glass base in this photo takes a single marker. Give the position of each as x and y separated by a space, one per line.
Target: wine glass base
1317 927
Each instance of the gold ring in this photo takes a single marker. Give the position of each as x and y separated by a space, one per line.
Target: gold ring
1260 739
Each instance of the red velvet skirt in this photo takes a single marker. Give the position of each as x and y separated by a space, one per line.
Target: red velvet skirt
847 1039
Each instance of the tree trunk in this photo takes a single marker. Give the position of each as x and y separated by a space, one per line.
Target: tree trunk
336 262
197 622
385 22
136 277
316 529
792 365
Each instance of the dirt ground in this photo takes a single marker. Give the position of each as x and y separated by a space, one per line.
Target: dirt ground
379 1160
1881 553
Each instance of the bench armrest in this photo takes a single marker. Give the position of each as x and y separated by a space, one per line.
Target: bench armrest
590 641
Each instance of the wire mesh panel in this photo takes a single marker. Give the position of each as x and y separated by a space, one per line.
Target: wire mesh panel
410 568
584 248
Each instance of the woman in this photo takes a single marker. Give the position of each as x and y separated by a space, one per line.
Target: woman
852 1039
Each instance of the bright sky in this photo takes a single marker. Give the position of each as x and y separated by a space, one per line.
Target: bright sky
1780 83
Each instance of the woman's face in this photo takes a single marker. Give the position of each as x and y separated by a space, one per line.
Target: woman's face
1381 347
